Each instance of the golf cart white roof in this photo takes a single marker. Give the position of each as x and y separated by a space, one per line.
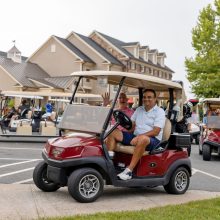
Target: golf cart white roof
27 94
24 96
134 80
212 100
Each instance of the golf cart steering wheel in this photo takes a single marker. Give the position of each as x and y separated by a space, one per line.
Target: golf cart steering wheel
122 119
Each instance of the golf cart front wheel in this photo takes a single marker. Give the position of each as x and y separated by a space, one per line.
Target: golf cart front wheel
85 185
179 182
41 180
206 152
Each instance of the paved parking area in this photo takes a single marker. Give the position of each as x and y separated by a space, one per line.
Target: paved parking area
17 162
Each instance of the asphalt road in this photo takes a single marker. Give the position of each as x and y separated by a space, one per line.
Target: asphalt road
17 161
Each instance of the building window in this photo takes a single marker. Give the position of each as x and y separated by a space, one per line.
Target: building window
115 88
142 69
133 66
53 48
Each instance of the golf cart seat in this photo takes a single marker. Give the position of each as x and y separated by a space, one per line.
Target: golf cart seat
47 128
24 127
128 149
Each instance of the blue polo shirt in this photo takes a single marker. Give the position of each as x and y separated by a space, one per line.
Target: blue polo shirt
146 120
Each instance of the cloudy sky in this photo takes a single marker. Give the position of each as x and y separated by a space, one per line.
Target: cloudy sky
161 24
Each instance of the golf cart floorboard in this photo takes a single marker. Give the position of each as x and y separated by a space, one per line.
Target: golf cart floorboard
145 182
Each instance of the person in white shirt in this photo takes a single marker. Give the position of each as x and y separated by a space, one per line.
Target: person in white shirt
147 127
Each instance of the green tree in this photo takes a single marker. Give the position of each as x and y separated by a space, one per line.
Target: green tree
203 71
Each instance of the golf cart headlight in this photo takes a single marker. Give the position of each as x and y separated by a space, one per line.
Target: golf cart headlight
56 152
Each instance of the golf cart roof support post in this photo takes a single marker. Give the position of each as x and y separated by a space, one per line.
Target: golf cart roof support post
171 102
74 92
110 115
140 92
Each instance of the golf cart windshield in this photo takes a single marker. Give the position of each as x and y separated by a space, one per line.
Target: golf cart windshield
84 118
213 122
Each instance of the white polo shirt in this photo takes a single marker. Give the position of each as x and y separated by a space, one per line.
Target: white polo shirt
146 120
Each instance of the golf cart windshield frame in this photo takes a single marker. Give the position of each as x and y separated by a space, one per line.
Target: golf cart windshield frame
103 133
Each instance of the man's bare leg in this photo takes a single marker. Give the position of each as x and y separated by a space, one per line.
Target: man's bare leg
142 142
113 138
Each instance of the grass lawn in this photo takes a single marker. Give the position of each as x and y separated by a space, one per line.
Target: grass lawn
199 210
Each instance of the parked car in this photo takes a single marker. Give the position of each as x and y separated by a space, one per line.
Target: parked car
81 161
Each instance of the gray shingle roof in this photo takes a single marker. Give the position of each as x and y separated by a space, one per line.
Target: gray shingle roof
117 43
153 51
61 82
130 43
144 47
4 54
101 50
14 49
75 49
21 71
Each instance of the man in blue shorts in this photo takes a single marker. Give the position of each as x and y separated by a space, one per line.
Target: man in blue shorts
147 128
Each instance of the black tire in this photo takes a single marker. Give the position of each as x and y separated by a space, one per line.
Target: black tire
189 150
85 185
206 152
41 180
200 151
200 145
197 139
179 181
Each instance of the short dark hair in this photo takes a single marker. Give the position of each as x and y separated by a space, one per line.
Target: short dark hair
150 90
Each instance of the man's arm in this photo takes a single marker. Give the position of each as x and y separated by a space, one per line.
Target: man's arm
153 133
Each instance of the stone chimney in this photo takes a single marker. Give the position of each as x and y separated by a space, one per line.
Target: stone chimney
14 54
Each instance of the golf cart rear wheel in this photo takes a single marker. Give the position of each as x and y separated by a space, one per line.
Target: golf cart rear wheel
206 152
179 182
197 139
85 185
41 180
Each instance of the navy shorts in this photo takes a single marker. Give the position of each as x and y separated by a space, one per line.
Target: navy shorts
127 137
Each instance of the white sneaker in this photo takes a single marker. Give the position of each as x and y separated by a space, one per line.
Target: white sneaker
111 154
125 175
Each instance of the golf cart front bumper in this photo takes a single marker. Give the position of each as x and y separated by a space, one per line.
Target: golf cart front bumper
58 171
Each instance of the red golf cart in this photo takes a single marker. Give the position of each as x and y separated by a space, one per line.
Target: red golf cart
210 130
80 160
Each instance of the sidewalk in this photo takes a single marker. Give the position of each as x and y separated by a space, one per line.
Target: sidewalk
25 201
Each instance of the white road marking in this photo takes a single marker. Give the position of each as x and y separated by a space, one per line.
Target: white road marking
20 148
208 174
10 158
23 181
193 171
16 172
13 164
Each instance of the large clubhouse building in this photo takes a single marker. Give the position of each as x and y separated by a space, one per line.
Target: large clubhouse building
48 69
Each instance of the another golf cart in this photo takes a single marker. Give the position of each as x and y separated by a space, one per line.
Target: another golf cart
81 160
210 131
